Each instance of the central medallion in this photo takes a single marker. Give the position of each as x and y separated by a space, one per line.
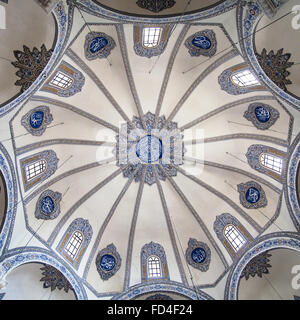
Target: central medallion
149 149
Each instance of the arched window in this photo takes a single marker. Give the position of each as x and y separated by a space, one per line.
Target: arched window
74 244
65 81
267 160
244 78
154 262
61 80
234 237
75 241
151 37
38 167
271 162
238 79
35 169
154 268
231 233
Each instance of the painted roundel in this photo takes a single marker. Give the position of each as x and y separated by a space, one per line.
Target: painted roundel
202 42
198 255
149 149
98 45
262 114
107 262
47 205
252 195
36 119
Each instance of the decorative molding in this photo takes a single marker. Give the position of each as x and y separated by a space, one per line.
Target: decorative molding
257 266
98 45
262 115
162 286
63 22
54 279
48 205
76 77
51 166
36 120
198 255
83 226
31 65
253 156
275 65
155 5
288 240
227 84
252 196
157 50
271 7
202 43
108 262
17 257
159 296
153 249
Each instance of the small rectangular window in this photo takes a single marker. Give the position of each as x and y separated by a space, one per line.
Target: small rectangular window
151 37
61 80
35 169
244 78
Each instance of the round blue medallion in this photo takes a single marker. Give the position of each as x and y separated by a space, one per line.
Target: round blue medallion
47 205
202 42
97 44
149 149
107 262
36 119
252 195
262 114
198 255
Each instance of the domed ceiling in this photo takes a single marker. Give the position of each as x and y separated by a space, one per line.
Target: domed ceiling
148 151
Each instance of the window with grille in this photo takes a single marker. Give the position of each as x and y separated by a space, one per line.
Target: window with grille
35 169
234 237
151 37
244 78
271 162
61 80
154 270
74 244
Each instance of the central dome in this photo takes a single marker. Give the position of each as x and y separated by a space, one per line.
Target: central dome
149 149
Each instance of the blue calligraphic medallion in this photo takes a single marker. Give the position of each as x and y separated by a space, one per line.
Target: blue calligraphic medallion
97 44
47 205
36 119
202 42
107 262
198 255
149 149
252 195
262 114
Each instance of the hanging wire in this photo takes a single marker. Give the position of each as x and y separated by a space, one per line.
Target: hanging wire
171 32
239 41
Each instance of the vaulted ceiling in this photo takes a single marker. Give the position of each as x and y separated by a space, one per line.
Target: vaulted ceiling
130 210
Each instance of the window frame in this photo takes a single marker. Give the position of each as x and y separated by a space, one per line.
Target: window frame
235 246
27 169
240 74
272 166
70 242
57 74
150 269
158 38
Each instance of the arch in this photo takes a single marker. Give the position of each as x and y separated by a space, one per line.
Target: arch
158 263
289 240
32 254
239 79
263 158
162 286
223 222
75 241
38 167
